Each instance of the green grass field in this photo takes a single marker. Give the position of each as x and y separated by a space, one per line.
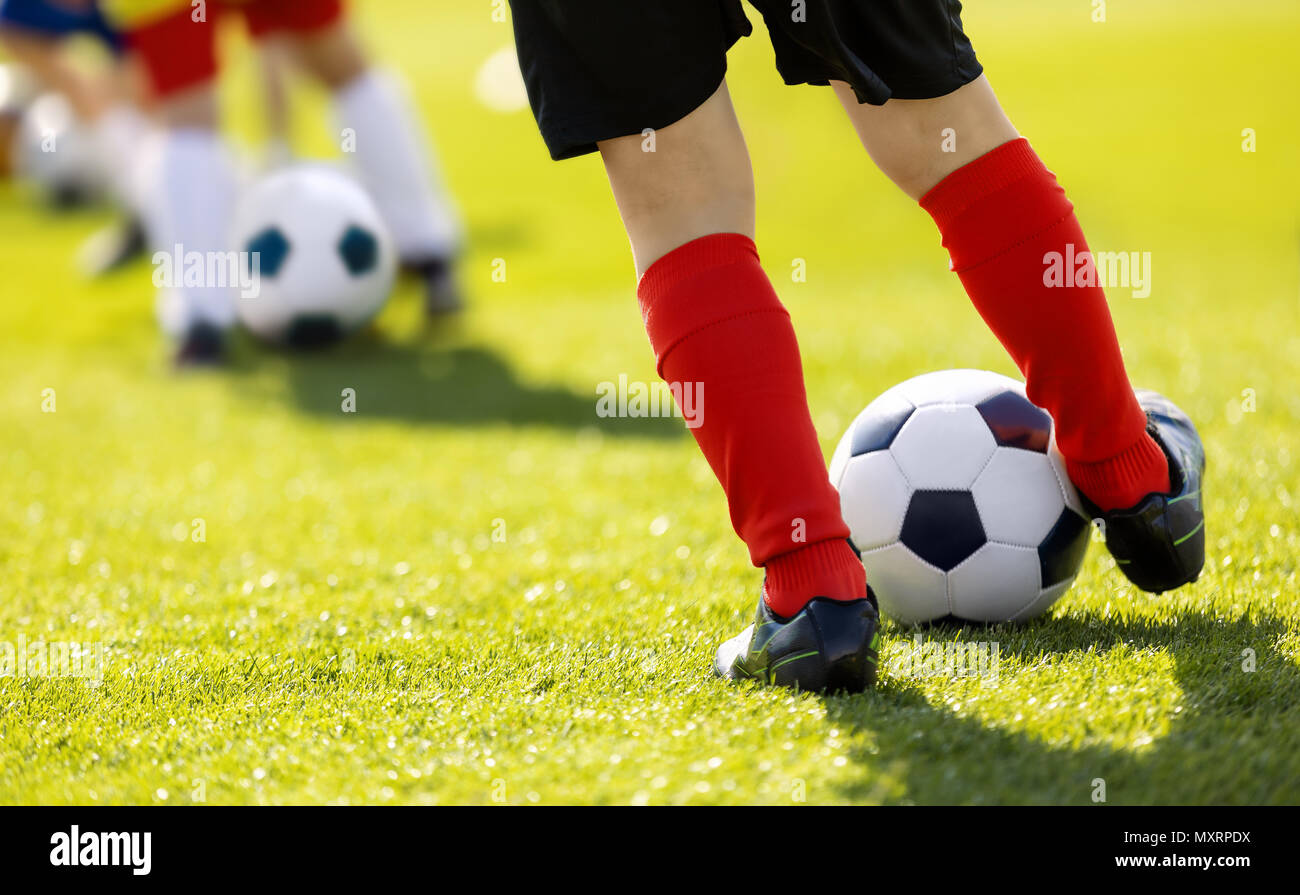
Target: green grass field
474 590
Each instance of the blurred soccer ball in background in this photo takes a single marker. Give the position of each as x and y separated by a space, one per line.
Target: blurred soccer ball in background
58 154
326 262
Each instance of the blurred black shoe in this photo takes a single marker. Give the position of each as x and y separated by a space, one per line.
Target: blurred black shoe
442 294
113 247
204 345
312 332
65 197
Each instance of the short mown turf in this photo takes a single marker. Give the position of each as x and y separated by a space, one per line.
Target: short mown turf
474 589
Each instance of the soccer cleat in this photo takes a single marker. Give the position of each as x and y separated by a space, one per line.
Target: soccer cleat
204 345
113 247
826 646
1159 544
442 295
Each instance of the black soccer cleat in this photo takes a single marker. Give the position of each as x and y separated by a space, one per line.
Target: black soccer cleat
204 345
1159 544
826 646
442 294
114 247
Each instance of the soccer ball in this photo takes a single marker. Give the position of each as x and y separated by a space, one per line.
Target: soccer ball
957 497
58 154
324 260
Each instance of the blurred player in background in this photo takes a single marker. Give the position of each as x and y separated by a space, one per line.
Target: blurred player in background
644 85
106 104
111 107
193 185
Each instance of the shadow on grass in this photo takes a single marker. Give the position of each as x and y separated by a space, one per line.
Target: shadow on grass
436 382
1231 742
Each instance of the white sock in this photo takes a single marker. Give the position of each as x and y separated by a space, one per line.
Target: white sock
119 134
191 199
397 167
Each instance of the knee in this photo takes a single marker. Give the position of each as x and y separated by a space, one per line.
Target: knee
672 181
714 200
914 177
334 58
918 159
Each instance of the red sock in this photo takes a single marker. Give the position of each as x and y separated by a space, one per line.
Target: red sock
714 319
1000 216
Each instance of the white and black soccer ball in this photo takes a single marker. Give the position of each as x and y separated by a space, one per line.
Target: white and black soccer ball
957 497
325 261
58 154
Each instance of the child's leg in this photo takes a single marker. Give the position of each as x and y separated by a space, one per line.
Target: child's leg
1001 212
98 103
391 153
714 319
273 61
43 57
188 194
693 180
189 203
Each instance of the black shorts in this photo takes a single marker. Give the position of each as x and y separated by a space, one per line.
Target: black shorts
599 69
